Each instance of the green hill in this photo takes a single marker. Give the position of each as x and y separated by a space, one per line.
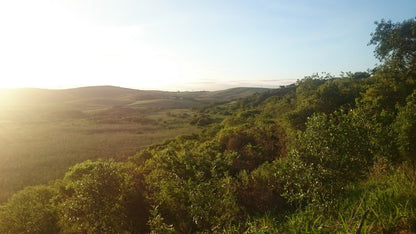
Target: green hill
110 95
324 155
233 93
44 128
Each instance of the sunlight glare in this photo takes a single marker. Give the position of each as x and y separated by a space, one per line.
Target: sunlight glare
47 46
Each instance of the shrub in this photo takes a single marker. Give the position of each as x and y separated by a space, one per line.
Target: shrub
30 211
333 151
97 197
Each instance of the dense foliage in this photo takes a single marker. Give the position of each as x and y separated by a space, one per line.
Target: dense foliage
327 154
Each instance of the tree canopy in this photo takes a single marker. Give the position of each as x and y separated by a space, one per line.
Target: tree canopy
396 43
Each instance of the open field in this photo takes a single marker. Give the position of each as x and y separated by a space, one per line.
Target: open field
44 132
36 152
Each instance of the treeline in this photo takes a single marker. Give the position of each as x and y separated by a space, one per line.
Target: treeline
327 154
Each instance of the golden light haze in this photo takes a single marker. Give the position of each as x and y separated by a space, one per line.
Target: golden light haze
185 45
49 47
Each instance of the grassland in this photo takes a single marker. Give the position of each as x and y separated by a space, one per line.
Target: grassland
44 132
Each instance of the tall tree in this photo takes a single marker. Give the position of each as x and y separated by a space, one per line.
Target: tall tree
396 43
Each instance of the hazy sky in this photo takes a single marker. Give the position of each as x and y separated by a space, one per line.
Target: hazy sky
186 45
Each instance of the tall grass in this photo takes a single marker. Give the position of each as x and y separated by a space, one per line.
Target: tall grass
36 150
384 203
388 200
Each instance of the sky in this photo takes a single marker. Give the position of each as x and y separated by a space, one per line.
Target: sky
186 44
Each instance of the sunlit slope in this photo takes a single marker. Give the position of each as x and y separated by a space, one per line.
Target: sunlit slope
44 132
233 93
110 95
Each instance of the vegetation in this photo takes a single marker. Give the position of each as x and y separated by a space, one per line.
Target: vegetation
44 132
327 154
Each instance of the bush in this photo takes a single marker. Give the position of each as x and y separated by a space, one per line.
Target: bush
405 127
30 211
261 190
98 197
333 151
190 188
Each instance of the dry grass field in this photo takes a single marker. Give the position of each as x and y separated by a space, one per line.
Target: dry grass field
44 132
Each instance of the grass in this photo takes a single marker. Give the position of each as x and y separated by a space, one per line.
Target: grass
389 200
382 204
39 142
44 132
37 152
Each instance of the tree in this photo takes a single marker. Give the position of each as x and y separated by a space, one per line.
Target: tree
392 82
396 43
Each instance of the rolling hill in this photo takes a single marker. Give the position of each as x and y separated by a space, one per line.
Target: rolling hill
44 132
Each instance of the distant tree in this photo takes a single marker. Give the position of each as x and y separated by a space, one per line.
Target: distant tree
202 120
355 75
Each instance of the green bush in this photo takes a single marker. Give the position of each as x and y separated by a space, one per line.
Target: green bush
333 151
405 127
30 211
97 197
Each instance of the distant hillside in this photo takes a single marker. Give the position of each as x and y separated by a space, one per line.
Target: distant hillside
324 155
42 127
234 93
111 95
